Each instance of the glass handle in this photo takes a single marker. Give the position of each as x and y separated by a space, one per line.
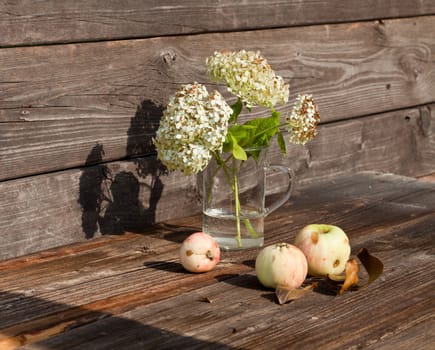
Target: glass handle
286 195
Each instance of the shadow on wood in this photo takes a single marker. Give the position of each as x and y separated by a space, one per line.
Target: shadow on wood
110 199
86 327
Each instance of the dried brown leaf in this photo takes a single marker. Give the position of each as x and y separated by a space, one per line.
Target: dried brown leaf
372 264
206 300
351 273
286 295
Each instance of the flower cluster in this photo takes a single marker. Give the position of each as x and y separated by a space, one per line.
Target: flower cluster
303 120
197 125
249 76
194 124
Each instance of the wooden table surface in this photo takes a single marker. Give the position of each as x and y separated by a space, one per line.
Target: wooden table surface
130 291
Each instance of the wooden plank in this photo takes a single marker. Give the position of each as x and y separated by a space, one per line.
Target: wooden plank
41 146
57 102
63 207
121 297
430 177
400 142
427 128
28 22
318 320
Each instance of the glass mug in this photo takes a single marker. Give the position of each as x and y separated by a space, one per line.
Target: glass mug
234 198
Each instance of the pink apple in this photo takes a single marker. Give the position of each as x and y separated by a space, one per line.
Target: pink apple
281 265
199 252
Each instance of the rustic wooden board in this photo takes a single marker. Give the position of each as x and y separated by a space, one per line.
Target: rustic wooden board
430 177
29 22
57 102
40 212
427 127
401 142
130 292
64 207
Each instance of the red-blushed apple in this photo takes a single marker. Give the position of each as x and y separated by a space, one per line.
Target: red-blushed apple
281 265
199 252
326 248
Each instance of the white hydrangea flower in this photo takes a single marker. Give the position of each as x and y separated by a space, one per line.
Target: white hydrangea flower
303 120
193 125
249 76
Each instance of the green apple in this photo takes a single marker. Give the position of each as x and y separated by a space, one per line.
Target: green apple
326 248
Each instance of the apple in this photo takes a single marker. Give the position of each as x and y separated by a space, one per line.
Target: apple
199 252
281 265
326 248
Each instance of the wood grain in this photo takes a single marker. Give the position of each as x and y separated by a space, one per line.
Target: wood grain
48 210
427 127
112 294
64 207
28 22
381 142
57 102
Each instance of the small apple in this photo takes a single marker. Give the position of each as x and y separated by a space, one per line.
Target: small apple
326 248
281 265
199 252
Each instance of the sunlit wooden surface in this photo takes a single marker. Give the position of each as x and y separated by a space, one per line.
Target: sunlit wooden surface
130 292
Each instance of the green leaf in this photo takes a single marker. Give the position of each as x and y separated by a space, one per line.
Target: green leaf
242 133
237 108
238 152
253 134
264 130
226 146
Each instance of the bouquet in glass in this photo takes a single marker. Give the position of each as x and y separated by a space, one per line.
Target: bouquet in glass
200 130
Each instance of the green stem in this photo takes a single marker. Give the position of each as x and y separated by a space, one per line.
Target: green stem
235 189
233 181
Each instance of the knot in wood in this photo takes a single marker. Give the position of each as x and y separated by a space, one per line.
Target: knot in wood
414 62
168 57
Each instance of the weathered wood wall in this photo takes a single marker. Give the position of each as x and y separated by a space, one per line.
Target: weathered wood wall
83 84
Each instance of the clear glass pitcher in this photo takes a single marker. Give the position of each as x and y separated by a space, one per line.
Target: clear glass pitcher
234 197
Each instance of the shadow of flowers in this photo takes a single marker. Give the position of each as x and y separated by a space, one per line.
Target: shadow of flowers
111 199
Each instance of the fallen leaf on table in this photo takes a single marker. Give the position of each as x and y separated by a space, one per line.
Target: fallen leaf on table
351 275
286 295
372 264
